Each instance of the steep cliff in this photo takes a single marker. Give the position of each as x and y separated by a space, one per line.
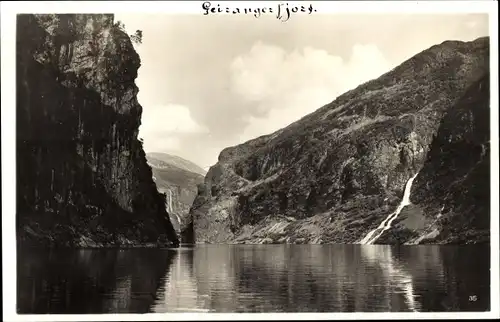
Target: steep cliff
178 180
453 187
336 173
82 176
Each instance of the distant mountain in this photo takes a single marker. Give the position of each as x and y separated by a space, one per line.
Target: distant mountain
338 175
178 179
160 160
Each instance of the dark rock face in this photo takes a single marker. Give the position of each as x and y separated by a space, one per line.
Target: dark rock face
335 174
453 188
174 177
82 176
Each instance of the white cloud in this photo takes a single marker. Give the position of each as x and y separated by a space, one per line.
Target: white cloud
471 24
286 86
225 82
162 127
165 144
171 118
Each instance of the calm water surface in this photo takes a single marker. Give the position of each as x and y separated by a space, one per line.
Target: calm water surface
255 278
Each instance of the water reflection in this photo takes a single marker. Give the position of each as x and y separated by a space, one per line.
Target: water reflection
179 291
90 281
257 278
397 280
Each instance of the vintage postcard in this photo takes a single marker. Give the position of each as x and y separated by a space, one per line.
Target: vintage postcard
208 160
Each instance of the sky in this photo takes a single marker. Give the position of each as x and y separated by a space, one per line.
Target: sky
210 82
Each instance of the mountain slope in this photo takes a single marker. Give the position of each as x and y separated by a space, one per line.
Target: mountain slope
180 186
338 172
159 160
82 176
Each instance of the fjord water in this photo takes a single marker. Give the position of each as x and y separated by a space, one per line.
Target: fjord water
255 278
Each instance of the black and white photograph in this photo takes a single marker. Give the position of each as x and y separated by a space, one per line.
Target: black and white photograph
177 160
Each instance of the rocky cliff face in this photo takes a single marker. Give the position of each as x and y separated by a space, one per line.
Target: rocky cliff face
174 177
453 187
337 173
82 176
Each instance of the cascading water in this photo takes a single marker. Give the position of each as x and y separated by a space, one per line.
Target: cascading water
170 208
375 234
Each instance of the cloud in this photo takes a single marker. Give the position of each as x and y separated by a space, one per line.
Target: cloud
162 127
241 77
171 119
471 24
153 144
285 86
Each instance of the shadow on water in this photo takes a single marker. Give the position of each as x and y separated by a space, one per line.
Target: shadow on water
90 281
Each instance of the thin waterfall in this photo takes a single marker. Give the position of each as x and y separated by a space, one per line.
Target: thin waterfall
375 234
178 219
170 206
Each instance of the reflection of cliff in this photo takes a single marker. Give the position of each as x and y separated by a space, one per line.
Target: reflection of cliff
396 278
314 278
309 278
179 290
433 278
274 278
453 273
90 281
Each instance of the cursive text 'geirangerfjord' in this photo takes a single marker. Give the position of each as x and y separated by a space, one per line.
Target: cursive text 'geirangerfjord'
283 11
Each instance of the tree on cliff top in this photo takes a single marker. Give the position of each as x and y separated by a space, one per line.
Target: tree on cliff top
120 25
137 37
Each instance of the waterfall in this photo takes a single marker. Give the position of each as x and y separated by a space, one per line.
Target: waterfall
373 235
170 206
178 219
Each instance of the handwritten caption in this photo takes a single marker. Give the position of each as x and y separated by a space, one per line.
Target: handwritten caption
282 11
